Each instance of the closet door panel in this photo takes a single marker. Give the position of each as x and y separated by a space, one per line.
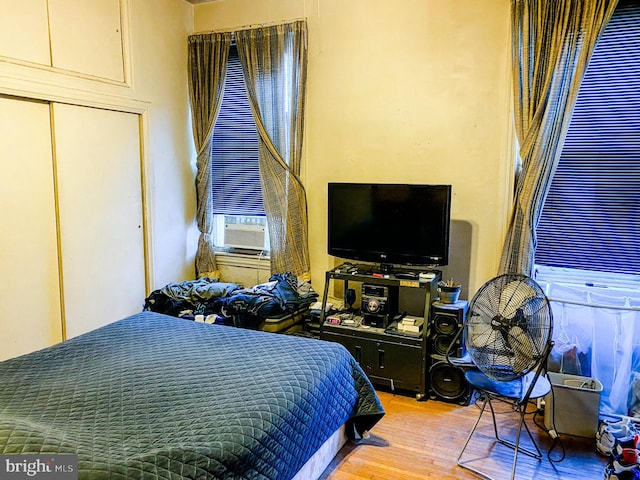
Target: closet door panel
86 37
100 210
24 30
29 285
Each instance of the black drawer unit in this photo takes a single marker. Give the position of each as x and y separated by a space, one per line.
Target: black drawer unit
396 362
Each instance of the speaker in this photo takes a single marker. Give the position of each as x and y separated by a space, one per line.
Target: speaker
447 383
378 304
446 320
440 345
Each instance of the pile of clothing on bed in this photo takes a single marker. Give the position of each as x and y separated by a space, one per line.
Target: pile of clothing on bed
284 293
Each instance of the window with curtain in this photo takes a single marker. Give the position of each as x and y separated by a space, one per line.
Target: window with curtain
591 217
588 237
239 215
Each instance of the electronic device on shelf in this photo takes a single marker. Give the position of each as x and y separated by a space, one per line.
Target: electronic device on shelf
390 224
378 303
347 268
406 275
344 318
426 276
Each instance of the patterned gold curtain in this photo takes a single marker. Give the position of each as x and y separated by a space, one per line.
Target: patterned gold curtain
274 60
552 42
207 64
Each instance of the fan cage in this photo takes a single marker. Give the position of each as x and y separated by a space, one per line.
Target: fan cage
508 327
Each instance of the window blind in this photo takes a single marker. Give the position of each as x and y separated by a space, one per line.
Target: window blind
591 217
235 174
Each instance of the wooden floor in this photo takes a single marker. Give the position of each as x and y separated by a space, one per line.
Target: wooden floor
421 440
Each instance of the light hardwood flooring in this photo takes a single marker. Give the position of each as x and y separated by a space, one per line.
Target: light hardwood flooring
418 440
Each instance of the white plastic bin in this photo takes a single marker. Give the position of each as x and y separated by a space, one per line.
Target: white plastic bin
575 405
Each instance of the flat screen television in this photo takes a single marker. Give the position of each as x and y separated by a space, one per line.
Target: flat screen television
390 224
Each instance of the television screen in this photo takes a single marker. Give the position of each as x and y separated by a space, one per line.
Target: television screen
399 224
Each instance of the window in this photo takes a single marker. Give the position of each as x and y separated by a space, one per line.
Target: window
239 216
591 218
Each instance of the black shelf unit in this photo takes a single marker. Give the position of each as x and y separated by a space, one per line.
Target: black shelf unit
393 360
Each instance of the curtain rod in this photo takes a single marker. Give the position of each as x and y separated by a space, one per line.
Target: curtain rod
251 26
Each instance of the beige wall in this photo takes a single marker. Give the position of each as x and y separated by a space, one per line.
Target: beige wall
413 91
159 38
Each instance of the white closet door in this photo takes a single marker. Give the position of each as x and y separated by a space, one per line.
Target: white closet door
29 281
98 168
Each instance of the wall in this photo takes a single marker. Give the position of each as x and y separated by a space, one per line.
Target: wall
416 91
159 37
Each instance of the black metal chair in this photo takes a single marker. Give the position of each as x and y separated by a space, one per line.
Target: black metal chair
517 393
507 335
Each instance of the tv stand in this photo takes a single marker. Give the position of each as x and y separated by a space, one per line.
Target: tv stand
390 359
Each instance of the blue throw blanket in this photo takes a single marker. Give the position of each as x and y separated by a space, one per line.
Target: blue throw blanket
243 307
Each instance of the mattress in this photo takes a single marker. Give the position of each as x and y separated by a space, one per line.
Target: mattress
153 396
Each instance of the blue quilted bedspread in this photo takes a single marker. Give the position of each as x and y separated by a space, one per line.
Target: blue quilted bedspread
153 396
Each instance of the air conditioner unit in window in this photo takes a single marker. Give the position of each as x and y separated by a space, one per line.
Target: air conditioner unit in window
240 235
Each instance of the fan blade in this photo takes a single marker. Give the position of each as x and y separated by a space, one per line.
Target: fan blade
536 307
512 296
482 337
523 351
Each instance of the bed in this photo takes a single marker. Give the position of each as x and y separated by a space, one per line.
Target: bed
153 396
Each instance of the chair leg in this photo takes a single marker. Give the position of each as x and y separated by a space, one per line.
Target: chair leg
537 455
493 417
517 445
514 446
464 447
517 448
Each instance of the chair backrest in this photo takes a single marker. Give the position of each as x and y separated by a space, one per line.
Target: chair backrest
540 369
